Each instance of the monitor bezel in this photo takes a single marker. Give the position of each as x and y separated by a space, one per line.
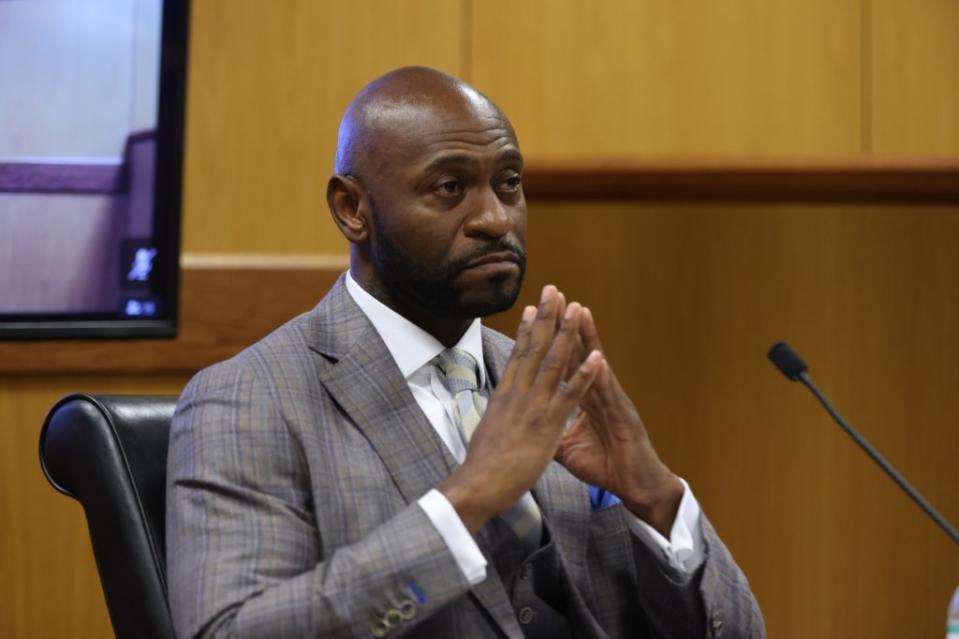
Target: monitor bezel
167 197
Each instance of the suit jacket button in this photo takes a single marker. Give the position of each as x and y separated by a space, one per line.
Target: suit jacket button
407 609
379 628
393 618
526 615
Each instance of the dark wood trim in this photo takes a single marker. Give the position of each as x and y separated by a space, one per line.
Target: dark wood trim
64 177
859 179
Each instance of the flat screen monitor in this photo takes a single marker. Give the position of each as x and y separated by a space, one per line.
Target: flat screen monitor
91 145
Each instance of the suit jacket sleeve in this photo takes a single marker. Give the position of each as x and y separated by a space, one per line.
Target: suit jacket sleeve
245 558
714 601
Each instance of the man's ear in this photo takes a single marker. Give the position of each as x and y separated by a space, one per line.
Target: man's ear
349 208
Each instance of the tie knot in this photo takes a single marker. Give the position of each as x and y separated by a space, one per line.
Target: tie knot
459 368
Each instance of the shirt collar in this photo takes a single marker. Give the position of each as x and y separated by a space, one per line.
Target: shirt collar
411 346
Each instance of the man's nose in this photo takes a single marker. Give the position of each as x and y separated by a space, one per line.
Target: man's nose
491 217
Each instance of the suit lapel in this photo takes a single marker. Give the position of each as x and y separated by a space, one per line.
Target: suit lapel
365 381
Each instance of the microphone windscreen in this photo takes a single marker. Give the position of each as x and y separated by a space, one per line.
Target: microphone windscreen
787 360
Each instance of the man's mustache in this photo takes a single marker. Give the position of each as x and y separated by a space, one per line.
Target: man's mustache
500 246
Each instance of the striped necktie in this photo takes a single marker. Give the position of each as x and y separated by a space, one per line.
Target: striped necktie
459 372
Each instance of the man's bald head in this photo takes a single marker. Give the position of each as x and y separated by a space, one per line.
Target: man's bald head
428 192
402 101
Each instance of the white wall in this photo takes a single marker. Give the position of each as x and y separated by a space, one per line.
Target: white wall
76 76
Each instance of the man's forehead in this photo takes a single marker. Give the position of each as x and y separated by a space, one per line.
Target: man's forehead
424 129
439 113
410 114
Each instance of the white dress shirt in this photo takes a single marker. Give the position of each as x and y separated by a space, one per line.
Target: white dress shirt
413 349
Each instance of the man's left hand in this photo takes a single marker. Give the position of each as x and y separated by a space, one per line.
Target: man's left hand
608 446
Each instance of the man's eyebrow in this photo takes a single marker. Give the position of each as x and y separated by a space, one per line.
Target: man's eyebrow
468 160
510 155
451 160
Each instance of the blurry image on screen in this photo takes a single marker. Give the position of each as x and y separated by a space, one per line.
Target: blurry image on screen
79 104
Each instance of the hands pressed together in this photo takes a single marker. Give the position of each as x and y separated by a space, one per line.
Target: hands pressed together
557 366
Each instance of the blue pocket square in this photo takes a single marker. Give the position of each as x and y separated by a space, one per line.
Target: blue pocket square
600 498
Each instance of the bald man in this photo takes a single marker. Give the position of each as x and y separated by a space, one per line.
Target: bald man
384 465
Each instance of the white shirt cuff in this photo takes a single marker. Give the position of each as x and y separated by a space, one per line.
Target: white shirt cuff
450 527
684 548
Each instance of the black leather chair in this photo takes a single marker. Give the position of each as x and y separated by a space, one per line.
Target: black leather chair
109 453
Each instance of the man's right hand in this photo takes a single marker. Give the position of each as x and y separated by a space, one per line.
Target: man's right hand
524 419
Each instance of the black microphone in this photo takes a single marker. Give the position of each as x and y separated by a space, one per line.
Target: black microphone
793 367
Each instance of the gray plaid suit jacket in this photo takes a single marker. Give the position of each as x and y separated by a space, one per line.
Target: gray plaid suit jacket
293 473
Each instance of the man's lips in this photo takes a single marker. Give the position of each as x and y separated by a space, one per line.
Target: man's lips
494 258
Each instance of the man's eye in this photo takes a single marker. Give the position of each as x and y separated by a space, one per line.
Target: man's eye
449 187
512 183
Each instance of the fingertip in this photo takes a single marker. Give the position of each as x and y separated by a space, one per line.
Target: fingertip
594 366
590 334
549 291
529 312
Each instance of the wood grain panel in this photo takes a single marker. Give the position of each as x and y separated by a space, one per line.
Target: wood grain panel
625 77
690 297
267 87
48 580
855 179
914 76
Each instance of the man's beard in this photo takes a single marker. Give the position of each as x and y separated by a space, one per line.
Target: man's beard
434 289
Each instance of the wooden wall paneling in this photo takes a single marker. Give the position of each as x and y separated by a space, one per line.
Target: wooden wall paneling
48 580
914 77
627 78
689 297
267 87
